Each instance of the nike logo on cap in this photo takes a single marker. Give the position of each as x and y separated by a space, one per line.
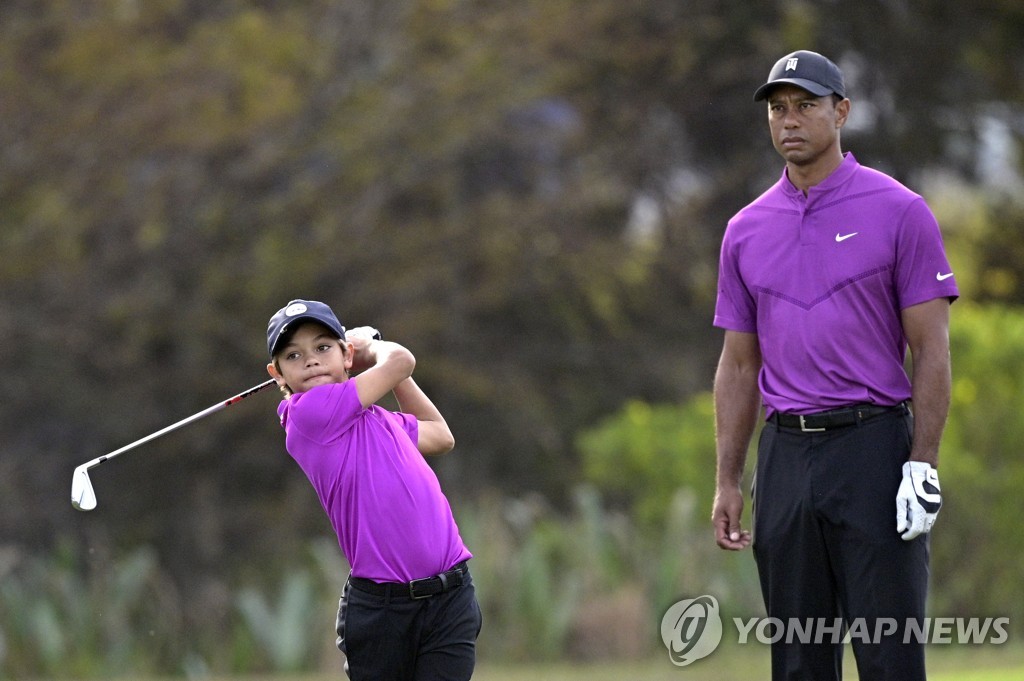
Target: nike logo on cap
943 277
844 237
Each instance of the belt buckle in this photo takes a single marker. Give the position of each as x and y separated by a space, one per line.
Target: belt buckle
412 589
805 429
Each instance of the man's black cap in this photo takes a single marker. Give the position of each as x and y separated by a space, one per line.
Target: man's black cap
805 69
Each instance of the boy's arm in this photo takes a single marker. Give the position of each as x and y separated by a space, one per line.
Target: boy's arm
434 435
381 363
382 366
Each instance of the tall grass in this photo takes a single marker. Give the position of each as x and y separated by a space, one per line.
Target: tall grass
579 583
58 620
582 587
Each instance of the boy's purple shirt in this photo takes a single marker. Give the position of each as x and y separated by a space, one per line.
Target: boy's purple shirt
393 522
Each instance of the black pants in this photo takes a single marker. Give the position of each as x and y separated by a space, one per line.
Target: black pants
826 546
397 638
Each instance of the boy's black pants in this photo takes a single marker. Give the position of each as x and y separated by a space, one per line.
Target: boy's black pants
826 546
398 638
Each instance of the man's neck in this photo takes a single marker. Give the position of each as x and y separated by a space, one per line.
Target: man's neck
803 177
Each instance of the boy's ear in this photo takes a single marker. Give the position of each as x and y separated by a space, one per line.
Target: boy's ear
274 374
349 351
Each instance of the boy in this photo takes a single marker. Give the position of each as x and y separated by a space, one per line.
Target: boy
409 610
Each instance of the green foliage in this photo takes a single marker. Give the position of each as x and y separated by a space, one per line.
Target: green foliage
283 631
644 454
976 553
124 617
550 581
530 195
658 462
57 623
548 590
655 457
985 248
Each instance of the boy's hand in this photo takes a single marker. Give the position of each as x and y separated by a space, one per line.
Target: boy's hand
362 338
366 332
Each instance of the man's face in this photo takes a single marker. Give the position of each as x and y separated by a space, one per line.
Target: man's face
804 127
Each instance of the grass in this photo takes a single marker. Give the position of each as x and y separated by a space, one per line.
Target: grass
751 663
736 663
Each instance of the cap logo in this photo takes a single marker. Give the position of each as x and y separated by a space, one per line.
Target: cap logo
294 309
791 64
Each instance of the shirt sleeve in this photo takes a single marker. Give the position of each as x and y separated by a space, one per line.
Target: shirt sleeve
411 425
735 308
923 272
325 412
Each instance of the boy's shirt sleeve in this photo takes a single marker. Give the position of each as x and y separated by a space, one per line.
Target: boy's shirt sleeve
325 412
411 425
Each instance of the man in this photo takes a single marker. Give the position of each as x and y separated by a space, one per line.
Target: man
824 282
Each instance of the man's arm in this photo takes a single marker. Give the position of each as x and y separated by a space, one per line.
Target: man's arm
926 327
737 407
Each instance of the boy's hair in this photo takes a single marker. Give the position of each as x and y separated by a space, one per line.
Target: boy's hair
283 387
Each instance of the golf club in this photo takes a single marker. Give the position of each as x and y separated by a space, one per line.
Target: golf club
83 496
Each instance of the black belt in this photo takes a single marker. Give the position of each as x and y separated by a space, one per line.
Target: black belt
418 588
835 418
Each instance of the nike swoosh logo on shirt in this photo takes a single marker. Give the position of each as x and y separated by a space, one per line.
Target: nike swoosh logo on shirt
844 237
943 277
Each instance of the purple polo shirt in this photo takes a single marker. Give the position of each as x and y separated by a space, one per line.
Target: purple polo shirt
393 521
822 279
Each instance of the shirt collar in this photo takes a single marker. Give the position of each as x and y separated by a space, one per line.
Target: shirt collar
837 178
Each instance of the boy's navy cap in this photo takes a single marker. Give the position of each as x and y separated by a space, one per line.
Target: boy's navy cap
808 70
296 311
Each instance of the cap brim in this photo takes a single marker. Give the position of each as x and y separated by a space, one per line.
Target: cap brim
815 89
292 323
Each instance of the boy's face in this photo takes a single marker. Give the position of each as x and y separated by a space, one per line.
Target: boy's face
312 356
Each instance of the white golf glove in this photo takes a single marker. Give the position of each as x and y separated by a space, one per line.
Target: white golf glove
918 500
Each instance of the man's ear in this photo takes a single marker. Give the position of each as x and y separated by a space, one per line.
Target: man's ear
842 112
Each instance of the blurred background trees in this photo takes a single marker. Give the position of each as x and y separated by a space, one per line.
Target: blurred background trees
530 195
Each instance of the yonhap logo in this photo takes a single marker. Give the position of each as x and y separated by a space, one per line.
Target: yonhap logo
691 629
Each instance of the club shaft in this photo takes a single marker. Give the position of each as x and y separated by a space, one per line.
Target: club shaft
184 422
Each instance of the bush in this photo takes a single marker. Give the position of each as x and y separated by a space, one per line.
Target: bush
976 546
641 456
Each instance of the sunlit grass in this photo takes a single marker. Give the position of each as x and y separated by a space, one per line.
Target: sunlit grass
734 663
751 663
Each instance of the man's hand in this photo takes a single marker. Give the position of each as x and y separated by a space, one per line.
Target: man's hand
918 500
726 519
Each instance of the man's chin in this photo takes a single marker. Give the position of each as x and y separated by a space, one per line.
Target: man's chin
796 157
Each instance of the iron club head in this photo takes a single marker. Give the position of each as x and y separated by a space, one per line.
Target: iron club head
83 496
